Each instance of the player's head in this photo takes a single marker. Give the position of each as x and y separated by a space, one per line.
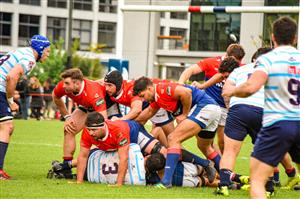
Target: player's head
227 66
113 82
236 50
259 52
284 31
143 87
95 125
42 47
155 162
72 79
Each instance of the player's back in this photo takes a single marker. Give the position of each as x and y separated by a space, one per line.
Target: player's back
282 99
22 56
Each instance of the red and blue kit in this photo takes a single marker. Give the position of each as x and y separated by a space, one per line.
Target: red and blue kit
91 96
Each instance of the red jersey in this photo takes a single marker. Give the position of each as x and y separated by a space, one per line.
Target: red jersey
210 66
164 96
92 96
118 135
126 95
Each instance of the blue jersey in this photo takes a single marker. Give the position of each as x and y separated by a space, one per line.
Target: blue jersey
199 96
215 91
239 76
21 56
282 89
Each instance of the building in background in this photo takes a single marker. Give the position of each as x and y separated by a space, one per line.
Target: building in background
156 44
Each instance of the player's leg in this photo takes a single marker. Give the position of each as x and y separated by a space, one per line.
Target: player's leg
220 129
78 117
159 134
6 130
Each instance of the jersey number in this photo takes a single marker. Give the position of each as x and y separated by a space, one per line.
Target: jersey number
3 59
294 89
110 170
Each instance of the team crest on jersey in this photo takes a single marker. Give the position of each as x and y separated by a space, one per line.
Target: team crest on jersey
123 142
96 95
169 90
100 102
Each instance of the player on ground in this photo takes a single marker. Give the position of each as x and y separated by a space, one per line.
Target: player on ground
210 67
194 111
279 71
14 65
87 94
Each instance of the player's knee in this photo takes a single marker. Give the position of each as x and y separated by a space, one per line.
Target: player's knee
10 129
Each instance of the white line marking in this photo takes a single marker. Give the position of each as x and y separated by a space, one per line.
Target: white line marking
37 144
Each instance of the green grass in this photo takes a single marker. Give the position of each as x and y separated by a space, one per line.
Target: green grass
35 144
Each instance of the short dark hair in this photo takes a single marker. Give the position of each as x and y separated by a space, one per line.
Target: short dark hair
94 119
284 30
235 50
259 52
155 162
141 84
228 65
73 73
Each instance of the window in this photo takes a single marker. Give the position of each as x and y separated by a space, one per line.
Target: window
5 28
57 3
28 26
269 18
214 32
56 28
178 15
174 72
162 14
31 2
82 30
162 30
83 4
107 36
109 6
6 1
177 43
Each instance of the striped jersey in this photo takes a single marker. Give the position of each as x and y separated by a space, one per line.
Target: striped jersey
282 89
239 76
22 56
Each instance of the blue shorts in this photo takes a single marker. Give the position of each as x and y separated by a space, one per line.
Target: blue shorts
139 135
274 141
5 112
243 119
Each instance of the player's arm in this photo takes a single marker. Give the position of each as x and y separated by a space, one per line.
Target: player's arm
146 114
185 96
123 164
188 72
135 110
254 83
212 81
60 105
228 84
81 163
12 80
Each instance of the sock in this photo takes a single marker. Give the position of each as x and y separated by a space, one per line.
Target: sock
215 157
66 165
194 159
3 149
173 156
235 177
68 160
225 177
290 172
269 185
276 174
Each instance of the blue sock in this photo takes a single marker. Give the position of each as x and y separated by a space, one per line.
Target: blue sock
269 185
216 158
3 149
173 156
225 177
276 174
194 159
290 172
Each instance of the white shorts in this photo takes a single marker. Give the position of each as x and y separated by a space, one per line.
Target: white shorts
223 117
102 167
207 116
162 117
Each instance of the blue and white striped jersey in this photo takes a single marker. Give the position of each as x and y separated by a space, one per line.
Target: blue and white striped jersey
282 89
239 76
22 56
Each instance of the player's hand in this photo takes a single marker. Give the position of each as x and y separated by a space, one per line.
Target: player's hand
14 107
180 118
197 85
70 126
228 91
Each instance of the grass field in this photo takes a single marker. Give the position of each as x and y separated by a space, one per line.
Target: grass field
35 144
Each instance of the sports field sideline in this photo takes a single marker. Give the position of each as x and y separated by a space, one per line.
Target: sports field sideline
36 143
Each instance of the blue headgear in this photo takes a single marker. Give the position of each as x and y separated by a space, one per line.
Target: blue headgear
39 43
